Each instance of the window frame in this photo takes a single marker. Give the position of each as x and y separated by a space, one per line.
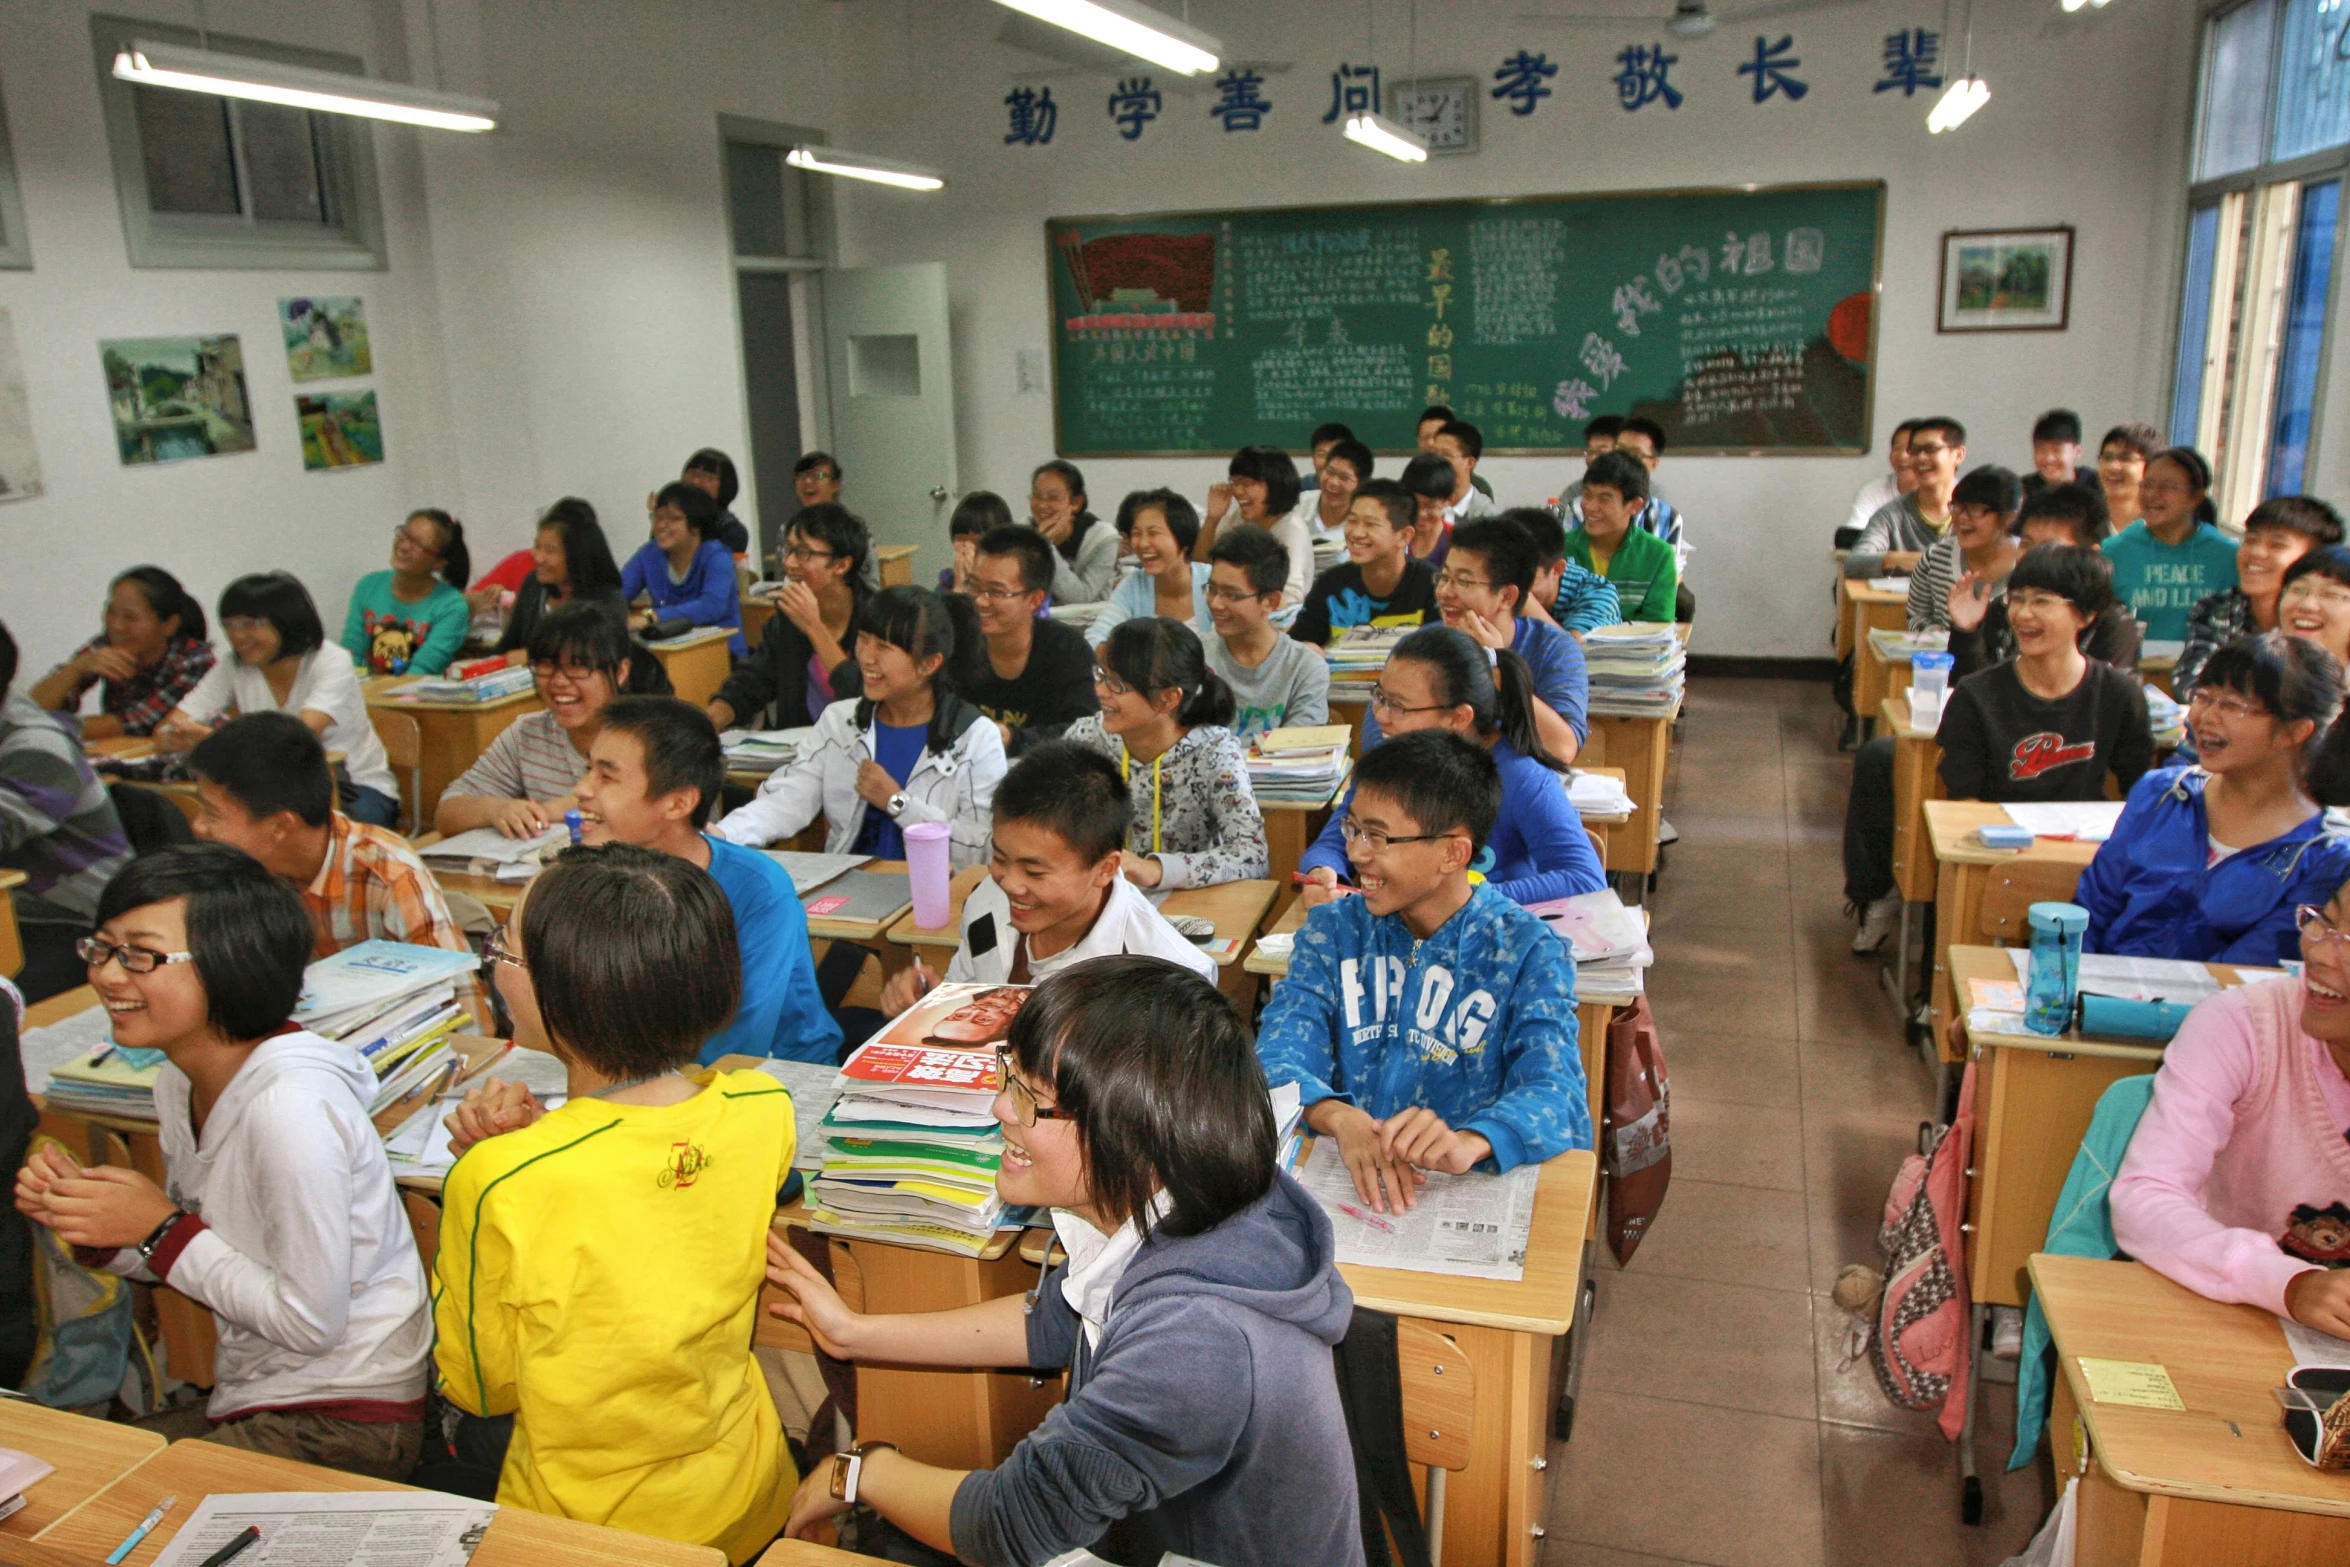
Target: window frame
16 245
192 241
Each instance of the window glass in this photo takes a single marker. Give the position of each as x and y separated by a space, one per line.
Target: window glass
2235 89
2186 404
2313 79
2303 337
281 161
184 142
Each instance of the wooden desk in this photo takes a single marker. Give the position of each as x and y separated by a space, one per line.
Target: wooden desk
1640 747
1917 778
697 662
1862 609
799 1553
2157 668
1237 908
1291 826
757 610
11 938
1962 867
90 1455
1874 678
452 734
2217 1482
517 1537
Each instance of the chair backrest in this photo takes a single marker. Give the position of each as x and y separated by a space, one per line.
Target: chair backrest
1598 845
1439 1396
2011 890
150 820
403 743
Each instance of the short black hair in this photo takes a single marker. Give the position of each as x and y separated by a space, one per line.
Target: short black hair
1990 486
680 745
1431 476
1402 508
1621 472
2081 577
824 460
1437 411
587 554
719 466
1904 427
1543 530
693 503
2306 515
1655 432
268 762
2057 424
1068 473
2197 468
2073 502
634 957
2327 560
1505 549
1032 549
1162 1079
1605 424
1073 790
2292 677
2135 436
1354 454
279 598
1332 431
1472 439
1275 470
7 660
839 530
165 597
1262 558
1152 653
1943 422
1444 780
248 930
979 512
1182 517
577 633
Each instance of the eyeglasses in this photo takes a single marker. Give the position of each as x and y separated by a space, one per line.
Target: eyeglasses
2229 706
998 595
234 624
1378 842
404 535
2164 487
1925 454
800 554
577 674
495 950
1394 706
2309 914
1027 1109
97 952
1229 596
1103 680
1458 583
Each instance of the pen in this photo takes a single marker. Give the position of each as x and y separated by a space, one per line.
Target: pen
98 1056
140 1533
1372 1219
249 1535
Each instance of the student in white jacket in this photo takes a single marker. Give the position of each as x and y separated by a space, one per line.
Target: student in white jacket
277 1210
908 750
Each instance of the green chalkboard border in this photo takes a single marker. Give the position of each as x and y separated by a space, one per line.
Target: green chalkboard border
1876 297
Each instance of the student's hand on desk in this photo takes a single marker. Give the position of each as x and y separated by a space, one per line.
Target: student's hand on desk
105 1207
1143 870
810 1302
179 734
487 1109
1900 563
2318 1298
907 986
1383 1183
1322 887
1496 635
1970 600
1419 1137
874 784
527 818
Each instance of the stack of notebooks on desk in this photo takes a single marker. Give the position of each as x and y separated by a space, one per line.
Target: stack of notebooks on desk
504 681
911 1145
763 750
395 1004
1636 669
1896 646
485 851
1356 656
2166 718
1608 941
1299 763
109 1080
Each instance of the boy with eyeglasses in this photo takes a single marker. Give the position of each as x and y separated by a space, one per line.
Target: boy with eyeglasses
1033 676
1429 1024
1277 681
806 657
1484 590
1897 535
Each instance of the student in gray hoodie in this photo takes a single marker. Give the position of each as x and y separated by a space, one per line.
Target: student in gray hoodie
1195 1312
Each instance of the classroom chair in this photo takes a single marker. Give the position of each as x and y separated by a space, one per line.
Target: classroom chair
403 743
2010 892
1439 1415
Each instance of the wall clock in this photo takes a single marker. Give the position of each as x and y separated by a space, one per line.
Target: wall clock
1441 109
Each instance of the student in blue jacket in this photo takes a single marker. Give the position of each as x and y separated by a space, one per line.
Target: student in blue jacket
2208 862
1438 679
683 571
1429 1024
1486 588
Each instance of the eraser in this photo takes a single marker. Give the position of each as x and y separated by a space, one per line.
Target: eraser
2004 835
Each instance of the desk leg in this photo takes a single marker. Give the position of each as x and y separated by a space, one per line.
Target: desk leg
1286 837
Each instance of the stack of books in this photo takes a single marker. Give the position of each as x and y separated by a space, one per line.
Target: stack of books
485 851
1299 763
1608 941
500 681
1356 656
397 1005
763 750
1636 669
111 1081
911 1145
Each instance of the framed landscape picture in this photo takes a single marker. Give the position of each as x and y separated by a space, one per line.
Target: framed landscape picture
177 397
339 430
2006 280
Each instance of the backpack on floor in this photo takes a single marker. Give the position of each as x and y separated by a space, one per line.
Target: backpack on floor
88 1345
1921 1344
1637 1150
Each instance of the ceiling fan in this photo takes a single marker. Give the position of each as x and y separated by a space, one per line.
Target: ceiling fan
1689 18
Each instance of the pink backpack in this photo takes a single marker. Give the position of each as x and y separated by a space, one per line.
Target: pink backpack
1921 1344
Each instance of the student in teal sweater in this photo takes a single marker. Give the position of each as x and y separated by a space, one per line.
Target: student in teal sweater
411 620
1645 569
2174 554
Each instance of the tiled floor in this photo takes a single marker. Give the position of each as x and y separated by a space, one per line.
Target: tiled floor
1715 1424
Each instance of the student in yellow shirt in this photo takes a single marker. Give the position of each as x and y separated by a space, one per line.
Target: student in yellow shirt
600 1262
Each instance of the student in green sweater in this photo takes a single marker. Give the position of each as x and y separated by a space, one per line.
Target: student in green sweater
1642 566
412 619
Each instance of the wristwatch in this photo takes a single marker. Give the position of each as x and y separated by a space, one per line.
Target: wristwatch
897 803
849 1467
146 1248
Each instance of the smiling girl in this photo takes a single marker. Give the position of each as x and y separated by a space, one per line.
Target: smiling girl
683 572
1166 581
149 657
529 776
412 619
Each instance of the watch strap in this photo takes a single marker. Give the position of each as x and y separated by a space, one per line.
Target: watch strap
155 1236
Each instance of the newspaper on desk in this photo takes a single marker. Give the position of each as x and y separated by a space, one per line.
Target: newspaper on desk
1471 1226
335 1529
814 1086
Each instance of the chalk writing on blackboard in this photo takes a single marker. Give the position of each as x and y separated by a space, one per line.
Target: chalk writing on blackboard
1514 268
1299 382
1288 275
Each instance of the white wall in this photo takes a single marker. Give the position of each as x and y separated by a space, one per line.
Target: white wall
2086 126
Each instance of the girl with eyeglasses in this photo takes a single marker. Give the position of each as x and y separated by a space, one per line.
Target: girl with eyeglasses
277 1211
1439 678
1195 1310
412 619
2208 862
2237 1180
1166 720
806 657
529 776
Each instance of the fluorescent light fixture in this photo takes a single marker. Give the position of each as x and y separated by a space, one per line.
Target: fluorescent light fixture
1381 134
1960 100
864 166
1136 29
297 87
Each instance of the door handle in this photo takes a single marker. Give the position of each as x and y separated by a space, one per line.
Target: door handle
938 492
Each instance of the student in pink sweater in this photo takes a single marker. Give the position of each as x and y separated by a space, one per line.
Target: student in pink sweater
2237 1184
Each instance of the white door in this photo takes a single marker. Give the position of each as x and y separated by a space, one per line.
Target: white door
893 403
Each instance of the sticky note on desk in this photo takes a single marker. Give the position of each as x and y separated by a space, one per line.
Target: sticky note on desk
2137 1383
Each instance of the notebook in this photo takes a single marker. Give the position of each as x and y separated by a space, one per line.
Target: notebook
862 895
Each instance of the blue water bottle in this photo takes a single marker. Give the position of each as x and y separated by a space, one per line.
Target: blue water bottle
2056 965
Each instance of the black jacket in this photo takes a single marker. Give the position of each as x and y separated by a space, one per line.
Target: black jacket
776 674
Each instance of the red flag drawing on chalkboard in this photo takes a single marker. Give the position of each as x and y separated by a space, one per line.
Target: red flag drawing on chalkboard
1142 269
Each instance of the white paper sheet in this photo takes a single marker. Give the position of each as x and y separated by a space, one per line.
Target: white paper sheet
47 1049
2146 979
335 1529
810 871
2312 1348
1470 1226
2089 821
493 847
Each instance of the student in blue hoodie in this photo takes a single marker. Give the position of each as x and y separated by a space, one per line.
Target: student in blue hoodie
2208 862
1438 679
1195 1311
1429 1023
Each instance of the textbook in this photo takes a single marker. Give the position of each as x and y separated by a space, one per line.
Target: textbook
488 848
1301 763
341 991
108 1082
764 750
1636 669
811 871
511 680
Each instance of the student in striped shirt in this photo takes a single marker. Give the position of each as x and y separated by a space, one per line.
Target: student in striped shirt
57 825
1573 598
1981 545
529 776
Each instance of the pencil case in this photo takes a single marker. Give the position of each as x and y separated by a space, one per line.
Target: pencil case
2113 1017
2003 835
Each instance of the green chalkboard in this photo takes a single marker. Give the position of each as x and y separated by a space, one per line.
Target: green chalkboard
1740 320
